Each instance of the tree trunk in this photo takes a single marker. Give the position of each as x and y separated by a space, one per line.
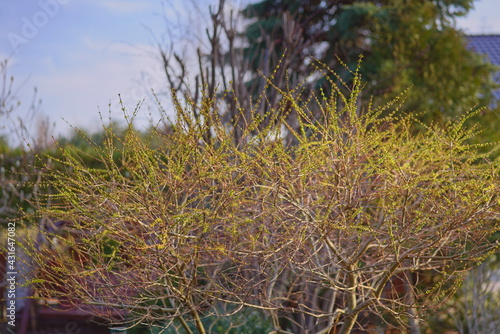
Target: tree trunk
412 311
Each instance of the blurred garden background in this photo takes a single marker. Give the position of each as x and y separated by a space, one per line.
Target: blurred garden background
111 111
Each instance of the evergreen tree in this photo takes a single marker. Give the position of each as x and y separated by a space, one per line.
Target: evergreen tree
405 43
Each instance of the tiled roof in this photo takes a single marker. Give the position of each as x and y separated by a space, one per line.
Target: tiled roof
488 45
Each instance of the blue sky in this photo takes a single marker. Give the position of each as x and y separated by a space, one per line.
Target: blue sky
80 54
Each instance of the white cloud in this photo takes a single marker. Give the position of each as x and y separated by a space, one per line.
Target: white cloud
483 19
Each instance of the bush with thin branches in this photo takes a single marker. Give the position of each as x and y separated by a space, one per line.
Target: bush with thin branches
350 221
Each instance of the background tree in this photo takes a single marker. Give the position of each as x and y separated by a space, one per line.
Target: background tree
19 179
406 44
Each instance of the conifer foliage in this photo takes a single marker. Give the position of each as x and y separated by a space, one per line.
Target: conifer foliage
405 43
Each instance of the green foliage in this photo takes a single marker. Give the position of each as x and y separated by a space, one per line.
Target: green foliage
406 44
20 179
187 231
